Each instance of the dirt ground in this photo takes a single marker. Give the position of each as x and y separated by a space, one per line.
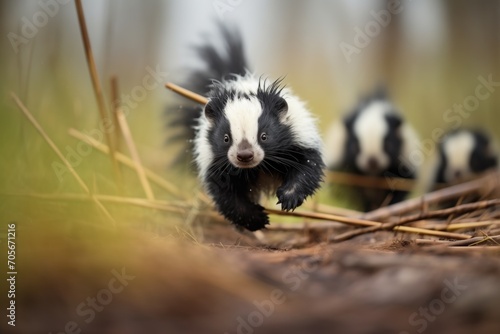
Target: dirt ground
415 268
381 282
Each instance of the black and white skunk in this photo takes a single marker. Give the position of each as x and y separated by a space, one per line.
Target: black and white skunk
464 153
253 136
373 140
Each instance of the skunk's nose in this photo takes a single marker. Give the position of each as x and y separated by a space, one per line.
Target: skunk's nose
458 174
373 164
245 155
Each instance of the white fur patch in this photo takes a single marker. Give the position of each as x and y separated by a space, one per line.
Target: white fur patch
243 116
458 149
411 145
301 122
370 128
203 154
335 142
244 84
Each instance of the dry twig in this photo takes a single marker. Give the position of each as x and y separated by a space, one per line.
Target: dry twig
135 155
422 215
490 179
187 93
96 84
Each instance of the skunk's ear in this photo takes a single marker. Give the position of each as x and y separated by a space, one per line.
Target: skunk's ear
349 120
394 121
211 111
487 146
380 92
281 107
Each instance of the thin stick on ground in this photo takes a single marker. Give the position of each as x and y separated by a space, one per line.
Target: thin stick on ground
468 242
471 225
459 209
53 146
420 216
324 216
96 84
424 231
122 121
490 179
326 226
324 208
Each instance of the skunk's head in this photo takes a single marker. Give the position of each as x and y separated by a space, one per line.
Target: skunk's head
464 153
246 121
374 137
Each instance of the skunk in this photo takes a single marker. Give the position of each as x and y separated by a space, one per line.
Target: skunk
254 136
373 140
464 153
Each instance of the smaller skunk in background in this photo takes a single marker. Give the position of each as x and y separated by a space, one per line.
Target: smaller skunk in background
373 140
252 137
463 154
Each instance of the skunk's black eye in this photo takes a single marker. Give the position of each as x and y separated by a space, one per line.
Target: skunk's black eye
226 138
263 136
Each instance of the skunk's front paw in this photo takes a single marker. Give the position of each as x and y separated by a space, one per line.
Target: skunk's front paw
252 220
289 198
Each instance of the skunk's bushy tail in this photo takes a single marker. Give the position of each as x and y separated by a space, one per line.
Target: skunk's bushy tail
218 65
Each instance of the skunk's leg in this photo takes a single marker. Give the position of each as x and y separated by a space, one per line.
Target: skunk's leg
233 202
301 180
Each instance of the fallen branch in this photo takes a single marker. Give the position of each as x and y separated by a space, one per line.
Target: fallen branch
398 209
459 209
324 216
423 215
468 242
406 229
